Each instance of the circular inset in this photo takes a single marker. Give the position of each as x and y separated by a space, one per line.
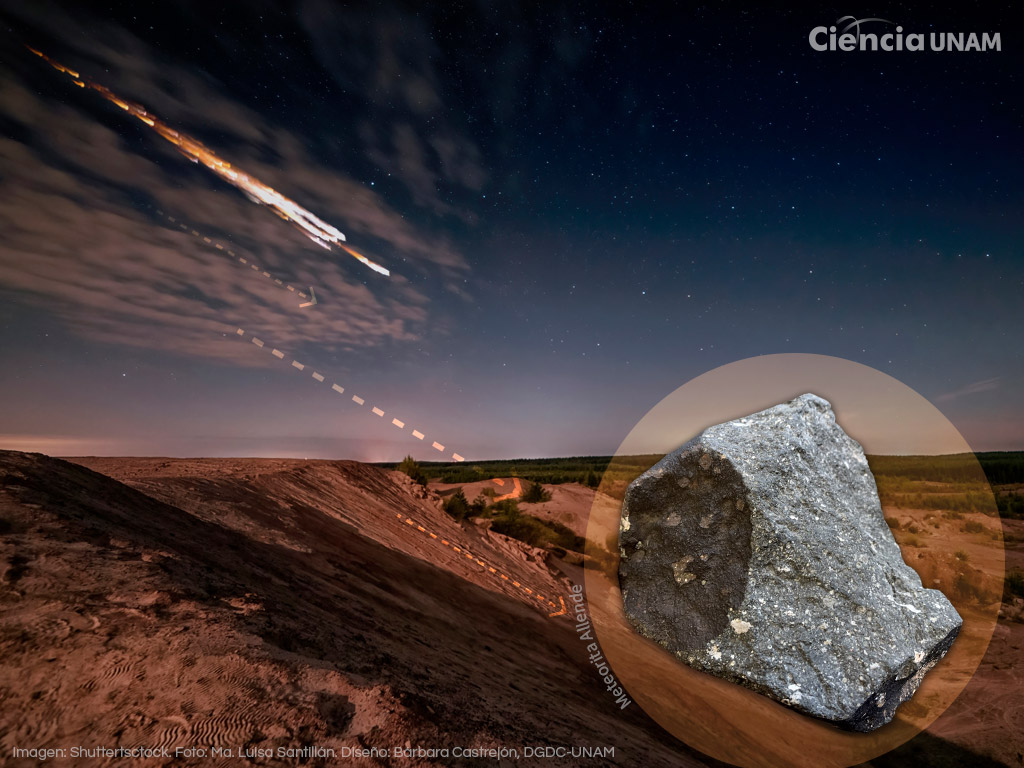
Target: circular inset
935 496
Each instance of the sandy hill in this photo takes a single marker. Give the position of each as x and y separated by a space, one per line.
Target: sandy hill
304 505
280 603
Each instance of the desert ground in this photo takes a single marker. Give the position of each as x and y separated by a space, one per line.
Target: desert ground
249 603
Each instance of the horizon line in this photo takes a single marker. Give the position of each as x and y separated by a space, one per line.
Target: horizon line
467 461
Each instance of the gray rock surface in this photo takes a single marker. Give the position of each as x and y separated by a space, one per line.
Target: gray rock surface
758 552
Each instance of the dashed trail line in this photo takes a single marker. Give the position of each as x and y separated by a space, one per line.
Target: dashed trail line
533 595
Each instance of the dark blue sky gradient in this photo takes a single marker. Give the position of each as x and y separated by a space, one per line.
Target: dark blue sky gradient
635 197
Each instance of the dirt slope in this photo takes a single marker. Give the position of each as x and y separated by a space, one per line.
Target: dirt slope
278 604
286 502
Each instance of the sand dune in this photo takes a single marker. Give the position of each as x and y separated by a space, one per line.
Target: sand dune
294 609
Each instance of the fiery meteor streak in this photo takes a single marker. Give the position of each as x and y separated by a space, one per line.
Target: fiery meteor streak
316 229
357 255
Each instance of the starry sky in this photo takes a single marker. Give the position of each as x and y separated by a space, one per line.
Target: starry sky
583 206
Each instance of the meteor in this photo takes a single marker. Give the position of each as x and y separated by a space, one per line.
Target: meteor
316 229
357 255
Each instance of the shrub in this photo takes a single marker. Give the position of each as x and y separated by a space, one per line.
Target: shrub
504 508
411 467
970 583
963 586
506 519
913 541
565 537
893 523
523 527
1014 584
1011 505
535 493
962 556
973 526
457 506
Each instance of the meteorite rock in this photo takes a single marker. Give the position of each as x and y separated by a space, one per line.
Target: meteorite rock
758 552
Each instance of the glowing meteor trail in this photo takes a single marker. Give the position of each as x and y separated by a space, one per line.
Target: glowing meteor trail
317 230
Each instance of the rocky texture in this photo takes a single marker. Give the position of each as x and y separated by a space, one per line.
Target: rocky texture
758 552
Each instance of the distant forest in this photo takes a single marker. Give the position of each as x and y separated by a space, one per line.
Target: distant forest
1001 468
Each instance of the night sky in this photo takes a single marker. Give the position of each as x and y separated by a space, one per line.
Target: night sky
583 206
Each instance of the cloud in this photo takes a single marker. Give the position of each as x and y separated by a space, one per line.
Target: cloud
985 385
81 239
117 275
387 59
